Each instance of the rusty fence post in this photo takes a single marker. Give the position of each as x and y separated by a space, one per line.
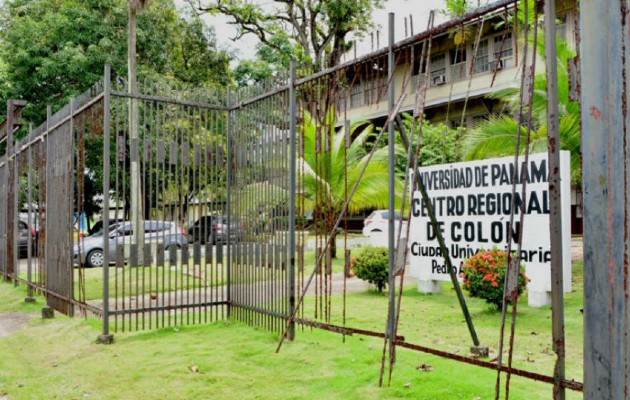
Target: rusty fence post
605 152
106 337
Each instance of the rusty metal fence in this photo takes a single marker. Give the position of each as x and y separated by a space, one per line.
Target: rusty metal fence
214 193
243 198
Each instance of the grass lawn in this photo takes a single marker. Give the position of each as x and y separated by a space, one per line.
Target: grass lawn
133 280
58 358
130 281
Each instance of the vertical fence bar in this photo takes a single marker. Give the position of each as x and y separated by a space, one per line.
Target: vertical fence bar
30 219
605 149
106 337
392 180
228 210
292 196
71 206
555 201
10 227
15 191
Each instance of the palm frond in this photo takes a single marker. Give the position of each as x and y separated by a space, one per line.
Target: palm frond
493 138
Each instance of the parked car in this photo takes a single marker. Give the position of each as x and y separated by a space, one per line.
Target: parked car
31 220
24 231
377 223
91 247
97 227
213 229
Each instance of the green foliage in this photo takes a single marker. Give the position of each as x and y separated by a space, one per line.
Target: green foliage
372 264
438 143
524 16
318 29
484 276
328 176
498 135
456 8
54 49
250 71
325 173
196 58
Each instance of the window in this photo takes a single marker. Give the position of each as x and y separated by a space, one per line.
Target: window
438 69
458 63
457 123
417 80
376 90
125 230
503 51
356 98
155 226
482 60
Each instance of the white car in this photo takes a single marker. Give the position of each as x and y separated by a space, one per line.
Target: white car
375 226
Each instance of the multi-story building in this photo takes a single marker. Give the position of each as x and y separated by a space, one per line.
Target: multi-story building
465 66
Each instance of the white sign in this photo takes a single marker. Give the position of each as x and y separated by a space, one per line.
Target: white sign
472 202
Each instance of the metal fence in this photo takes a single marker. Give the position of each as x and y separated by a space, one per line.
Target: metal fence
216 205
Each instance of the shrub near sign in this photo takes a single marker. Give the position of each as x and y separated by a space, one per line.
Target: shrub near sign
472 202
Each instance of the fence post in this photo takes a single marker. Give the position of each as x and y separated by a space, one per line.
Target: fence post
292 197
555 201
605 147
228 203
29 249
106 337
391 320
15 193
10 227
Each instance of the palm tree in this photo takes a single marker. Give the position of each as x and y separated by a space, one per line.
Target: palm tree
329 175
497 136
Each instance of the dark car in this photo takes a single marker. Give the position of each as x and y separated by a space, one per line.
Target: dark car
24 231
213 229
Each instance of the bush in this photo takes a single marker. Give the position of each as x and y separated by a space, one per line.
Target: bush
484 276
372 264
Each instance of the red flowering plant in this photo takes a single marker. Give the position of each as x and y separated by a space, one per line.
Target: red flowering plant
484 276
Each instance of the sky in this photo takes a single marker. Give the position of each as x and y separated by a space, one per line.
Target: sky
418 9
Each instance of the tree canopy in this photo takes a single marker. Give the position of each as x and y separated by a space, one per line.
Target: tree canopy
54 49
314 32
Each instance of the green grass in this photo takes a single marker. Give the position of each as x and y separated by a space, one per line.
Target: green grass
436 320
133 280
58 358
309 261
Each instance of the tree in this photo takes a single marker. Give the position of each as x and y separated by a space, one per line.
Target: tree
196 57
325 173
319 29
497 136
439 144
456 8
249 71
54 49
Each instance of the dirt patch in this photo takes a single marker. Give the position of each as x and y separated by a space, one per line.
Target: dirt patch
11 322
577 248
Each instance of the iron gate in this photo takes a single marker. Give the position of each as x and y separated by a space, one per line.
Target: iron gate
208 230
